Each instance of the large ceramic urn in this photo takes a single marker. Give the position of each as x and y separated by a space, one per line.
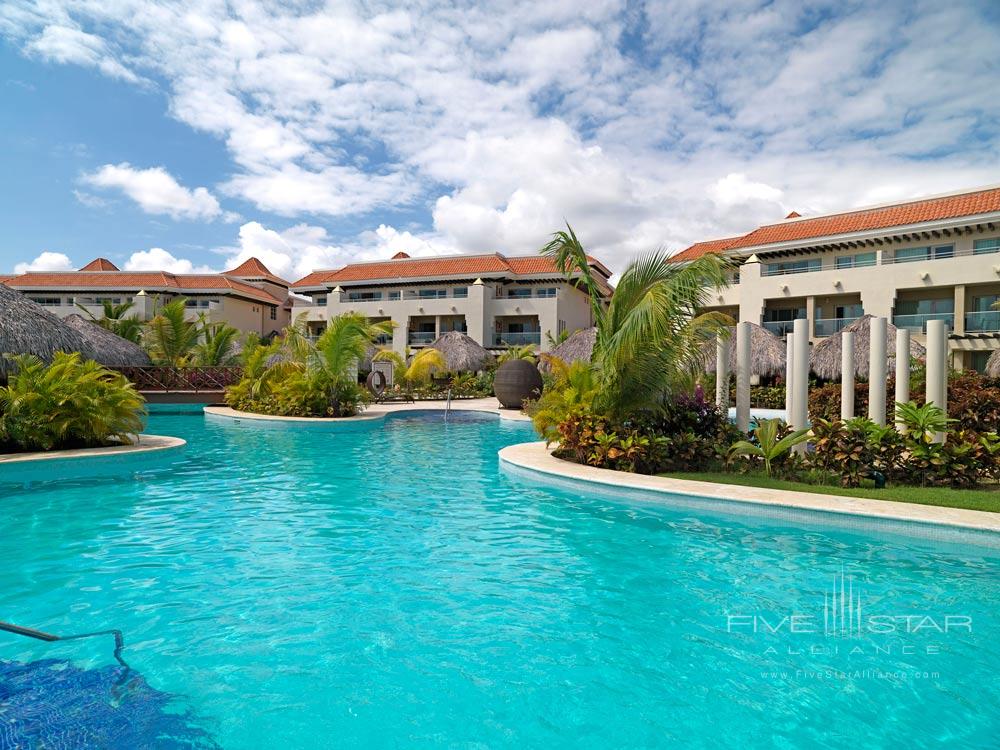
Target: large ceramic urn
517 381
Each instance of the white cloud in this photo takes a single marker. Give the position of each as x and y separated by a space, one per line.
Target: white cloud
156 191
46 261
158 259
643 125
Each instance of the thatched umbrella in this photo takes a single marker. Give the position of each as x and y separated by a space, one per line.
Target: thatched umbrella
767 352
106 347
462 353
579 347
993 365
825 359
28 328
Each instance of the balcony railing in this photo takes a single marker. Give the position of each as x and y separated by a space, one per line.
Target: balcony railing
830 326
779 327
421 338
918 323
983 321
518 339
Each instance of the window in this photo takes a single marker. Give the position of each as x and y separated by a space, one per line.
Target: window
982 247
363 296
848 311
986 303
911 254
432 293
460 291
520 292
394 295
319 299
925 306
274 313
784 314
855 261
47 301
792 266
546 292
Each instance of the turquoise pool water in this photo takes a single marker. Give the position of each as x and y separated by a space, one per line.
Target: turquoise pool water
390 586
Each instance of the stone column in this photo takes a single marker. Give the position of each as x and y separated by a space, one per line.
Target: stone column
902 368
800 377
937 368
876 371
743 376
847 375
401 334
811 315
789 376
722 372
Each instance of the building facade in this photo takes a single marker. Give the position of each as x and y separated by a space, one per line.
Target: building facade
248 297
498 301
930 259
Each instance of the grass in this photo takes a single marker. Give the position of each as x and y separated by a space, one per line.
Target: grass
987 498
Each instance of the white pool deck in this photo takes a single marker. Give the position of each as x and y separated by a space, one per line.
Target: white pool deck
535 459
380 411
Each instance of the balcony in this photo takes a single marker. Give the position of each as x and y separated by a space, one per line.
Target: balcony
918 323
421 338
779 327
830 326
518 339
983 321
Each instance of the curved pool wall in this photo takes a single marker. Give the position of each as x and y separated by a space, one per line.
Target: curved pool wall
391 586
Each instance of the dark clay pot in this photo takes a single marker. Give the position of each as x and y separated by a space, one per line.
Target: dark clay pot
517 381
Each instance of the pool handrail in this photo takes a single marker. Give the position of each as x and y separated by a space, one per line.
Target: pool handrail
41 635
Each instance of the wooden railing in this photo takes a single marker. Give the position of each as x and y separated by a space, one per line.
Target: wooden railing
186 379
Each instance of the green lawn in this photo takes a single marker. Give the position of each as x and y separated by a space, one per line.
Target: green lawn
979 499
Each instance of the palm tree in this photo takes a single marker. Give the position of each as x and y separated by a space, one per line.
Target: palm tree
217 345
425 363
170 337
650 335
524 351
115 320
343 344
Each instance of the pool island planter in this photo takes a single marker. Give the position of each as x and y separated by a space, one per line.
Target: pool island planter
536 461
145 452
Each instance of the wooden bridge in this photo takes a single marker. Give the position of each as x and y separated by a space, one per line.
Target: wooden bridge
182 385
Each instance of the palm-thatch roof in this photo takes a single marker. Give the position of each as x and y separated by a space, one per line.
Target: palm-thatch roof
28 328
462 353
825 359
767 352
579 347
106 347
993 365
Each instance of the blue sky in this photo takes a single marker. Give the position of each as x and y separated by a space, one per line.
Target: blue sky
189 136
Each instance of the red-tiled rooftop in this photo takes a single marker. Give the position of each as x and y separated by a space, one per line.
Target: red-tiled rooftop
100 264
795 228
252 268
701 248
453 265
883 217
148 280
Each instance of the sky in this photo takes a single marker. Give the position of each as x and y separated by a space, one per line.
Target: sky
189 136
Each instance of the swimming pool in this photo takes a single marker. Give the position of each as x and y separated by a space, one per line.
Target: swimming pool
386 585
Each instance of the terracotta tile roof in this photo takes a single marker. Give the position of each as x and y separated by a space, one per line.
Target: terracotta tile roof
884 217
701 248
454 265
148 280
252 268
100 264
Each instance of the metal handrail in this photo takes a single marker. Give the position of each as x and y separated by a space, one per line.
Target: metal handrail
40 635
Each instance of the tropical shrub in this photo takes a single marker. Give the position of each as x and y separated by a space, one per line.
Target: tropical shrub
294 377
768 443
852 450
115 318
71 403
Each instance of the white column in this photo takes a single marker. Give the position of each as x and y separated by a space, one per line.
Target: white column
743 376
722 372
800 377
902 368
937 368
847 375
876 371
789 376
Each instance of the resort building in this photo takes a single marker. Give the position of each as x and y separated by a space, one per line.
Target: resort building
497 300
248 297
933 258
